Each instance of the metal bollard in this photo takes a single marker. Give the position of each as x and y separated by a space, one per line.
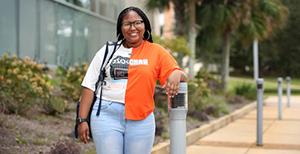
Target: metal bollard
279 98
177 115
259 120
288 90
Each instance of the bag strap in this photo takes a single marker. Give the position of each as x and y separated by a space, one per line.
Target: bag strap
98 80
102 68
102 74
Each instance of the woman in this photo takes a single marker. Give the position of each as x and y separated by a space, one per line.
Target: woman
126 124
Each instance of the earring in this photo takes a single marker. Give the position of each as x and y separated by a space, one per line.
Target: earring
148 35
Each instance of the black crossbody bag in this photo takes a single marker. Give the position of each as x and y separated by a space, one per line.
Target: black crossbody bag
100 81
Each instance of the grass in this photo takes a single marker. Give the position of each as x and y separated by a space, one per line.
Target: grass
270 84
234 81
92 151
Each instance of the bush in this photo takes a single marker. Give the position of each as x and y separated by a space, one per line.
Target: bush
202 98
198 88
215 105
23 84
71 79
196 91
212 82
202 102
56 105
247 90
210 105
160 121
178 47
160 98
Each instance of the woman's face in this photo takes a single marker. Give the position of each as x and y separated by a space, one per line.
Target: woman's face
133 29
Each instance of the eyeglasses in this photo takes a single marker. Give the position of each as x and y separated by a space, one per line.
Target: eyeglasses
136 24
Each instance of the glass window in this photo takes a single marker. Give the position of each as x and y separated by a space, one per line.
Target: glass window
29 28
80 35
64 33
54 33
102 8
8 33
48 53
93 6
82 3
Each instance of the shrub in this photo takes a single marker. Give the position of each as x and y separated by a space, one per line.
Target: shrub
247 90
196 91
215 105
160 121
202 98
56 105
160 98
198 88
211 105
71 79
178 47
235 99
202 102
23 84
212 82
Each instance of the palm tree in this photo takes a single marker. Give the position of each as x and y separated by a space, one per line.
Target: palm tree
221 18
262 19
184 11
226 19
245 19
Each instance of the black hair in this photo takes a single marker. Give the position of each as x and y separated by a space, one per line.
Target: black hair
147 34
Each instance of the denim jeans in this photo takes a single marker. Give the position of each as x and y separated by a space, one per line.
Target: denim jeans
113 134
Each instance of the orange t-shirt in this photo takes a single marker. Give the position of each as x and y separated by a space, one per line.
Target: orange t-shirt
139 97
131 76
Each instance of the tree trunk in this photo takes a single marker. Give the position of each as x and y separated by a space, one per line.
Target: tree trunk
179 8
192 38
226 58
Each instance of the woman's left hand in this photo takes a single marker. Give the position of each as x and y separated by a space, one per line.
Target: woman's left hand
172 84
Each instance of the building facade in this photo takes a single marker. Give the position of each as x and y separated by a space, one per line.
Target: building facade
57 32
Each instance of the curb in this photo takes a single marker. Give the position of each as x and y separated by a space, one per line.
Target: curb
195 134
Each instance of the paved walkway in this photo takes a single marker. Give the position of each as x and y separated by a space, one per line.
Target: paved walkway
239 137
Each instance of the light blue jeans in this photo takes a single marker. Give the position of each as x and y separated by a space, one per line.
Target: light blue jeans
113 134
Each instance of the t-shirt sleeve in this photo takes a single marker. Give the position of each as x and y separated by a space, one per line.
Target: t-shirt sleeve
91 76
167 65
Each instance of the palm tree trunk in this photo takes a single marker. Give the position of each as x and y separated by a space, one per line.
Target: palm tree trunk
226 59
179 8
192 38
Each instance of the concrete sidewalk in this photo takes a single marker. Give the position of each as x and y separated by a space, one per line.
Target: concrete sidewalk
239 137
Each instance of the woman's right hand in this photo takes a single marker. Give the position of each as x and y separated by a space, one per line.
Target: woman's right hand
84 132
86 100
